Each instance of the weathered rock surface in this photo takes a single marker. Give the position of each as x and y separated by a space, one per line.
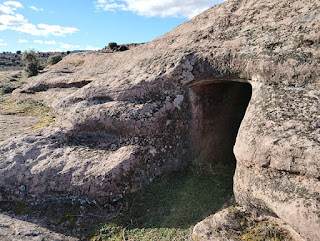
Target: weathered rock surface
128 116
240 223
13 229
9 124
278 168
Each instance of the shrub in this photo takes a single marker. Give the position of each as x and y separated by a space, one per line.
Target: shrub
54 59
32 61
112 45
8 89
30 57
31 69
123 48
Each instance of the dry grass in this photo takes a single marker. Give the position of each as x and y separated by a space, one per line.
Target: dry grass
11 80
264 230
27 106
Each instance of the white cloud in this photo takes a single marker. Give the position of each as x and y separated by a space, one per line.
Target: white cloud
9 19
9 7
45 42
69 46
36 9
50 42
13 4
110 5
5 9
162 8
44 29
23 41
2 43
56 30
89 47
38 41
53 50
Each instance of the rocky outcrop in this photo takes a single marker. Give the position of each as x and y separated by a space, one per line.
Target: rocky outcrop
243 223
125 118
281 171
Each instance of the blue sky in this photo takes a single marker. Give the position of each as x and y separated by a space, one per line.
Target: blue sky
61 25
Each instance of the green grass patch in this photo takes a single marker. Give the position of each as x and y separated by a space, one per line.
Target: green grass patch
169 207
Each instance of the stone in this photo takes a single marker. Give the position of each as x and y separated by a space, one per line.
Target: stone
241 223
22 188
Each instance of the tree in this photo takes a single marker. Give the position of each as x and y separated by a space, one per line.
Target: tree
113 45
54 59
18 52
32 63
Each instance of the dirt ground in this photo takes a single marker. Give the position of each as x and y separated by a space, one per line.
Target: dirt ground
11 125
16 229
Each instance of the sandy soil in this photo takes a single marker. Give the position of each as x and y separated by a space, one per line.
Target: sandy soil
12 125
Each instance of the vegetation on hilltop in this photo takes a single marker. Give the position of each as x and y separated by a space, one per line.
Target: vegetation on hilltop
32 63
14 61
54 59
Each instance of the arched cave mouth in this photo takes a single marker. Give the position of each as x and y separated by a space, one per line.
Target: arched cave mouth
218 108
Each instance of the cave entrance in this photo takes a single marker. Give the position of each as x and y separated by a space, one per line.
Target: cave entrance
217 112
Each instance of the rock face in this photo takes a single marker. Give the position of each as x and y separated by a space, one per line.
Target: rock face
240 223
125 118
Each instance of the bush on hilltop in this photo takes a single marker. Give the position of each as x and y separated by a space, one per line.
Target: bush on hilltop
113 45
54 59
32 63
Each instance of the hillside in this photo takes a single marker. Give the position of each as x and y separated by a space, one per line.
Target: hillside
13 61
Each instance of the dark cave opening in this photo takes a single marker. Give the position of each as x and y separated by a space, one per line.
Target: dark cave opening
218 109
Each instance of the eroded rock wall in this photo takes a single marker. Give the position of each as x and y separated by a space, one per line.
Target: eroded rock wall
278 153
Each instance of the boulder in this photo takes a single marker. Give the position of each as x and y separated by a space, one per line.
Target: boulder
243 223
